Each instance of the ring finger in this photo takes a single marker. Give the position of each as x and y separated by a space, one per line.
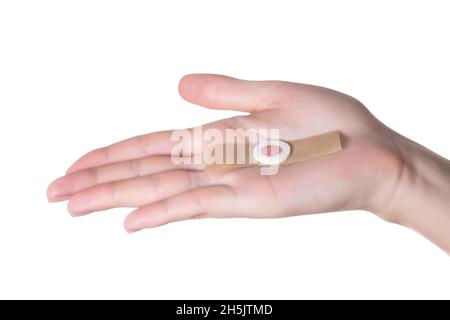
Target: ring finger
139 191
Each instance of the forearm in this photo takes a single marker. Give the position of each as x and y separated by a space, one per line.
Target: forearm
422 198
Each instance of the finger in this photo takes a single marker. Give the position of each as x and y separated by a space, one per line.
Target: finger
137 191
64 187
157 143
213 201
221 92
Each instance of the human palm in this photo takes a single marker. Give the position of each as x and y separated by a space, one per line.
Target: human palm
139 172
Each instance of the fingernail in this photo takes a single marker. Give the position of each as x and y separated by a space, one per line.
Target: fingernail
55 192
132 227
80 214
79 206
55 195
132 224
57 198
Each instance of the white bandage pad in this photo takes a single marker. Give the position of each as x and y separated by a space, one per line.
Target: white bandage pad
274 159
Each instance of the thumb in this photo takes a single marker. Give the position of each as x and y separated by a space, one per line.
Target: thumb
222 92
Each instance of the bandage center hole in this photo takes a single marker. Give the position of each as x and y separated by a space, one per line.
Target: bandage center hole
272 150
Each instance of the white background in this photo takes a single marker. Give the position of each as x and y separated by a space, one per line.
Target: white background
75 75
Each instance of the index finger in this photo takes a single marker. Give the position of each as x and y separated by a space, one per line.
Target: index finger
157 143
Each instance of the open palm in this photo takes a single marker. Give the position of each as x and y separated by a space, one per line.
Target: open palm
139 172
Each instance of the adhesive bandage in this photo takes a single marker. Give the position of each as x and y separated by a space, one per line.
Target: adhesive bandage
231 156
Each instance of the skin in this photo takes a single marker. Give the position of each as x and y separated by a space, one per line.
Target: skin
378 170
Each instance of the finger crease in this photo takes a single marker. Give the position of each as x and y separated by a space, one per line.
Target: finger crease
192 179
144 144
112 193
154 182
107 154
136 167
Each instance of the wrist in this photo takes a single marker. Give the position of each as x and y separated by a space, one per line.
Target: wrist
421 198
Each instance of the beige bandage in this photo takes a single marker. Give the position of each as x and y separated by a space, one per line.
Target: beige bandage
232 156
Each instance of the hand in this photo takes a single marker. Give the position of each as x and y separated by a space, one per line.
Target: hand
369 173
